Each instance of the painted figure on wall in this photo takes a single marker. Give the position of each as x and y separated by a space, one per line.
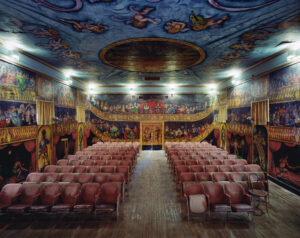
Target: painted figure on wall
152 134
44 148
80 136
199 23
285 114
64 95
260 140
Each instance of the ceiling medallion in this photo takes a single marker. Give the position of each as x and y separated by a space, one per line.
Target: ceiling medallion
152 55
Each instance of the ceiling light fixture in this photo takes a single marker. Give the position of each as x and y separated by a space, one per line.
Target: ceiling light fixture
236 82
235 73
69 73
9 45
68 82
131 86
295 45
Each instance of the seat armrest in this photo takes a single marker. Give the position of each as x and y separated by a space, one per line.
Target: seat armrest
228 198
247 198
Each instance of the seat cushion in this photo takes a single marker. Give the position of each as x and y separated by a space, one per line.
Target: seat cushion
39 208
239 207
18 208
105 208
62 207
84 207
220 208
197 203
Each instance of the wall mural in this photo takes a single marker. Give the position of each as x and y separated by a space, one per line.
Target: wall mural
44 145
284 161
253 90
16 162
16 83
285 83
64 115
260 147
16 114
116 130
285 114
187 130
80 136
45 88
152 104
239 115
223 137
64 95
152 133
240 145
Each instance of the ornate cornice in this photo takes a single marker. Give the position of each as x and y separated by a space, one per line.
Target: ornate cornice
9 135
64 128
243 129
150 117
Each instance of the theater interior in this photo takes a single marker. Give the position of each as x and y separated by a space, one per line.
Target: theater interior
149 118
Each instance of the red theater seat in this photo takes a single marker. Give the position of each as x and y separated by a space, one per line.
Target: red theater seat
108 201
67 178
203 162
215 162
203 177
95 157
84 178
84 157
9 194
80 169
75 162
238 168
229 162
29 195
87 198
238 199
62 162
194 199
124 170
93 169
117 157
100 162
107 169
34 178
49 194
216 198
52 169
225 168
184 179
196 168
191 162
113 162
88 162
66 169
105 157
253 168
69 195
211 168
220 177
241 162
101 178
51 177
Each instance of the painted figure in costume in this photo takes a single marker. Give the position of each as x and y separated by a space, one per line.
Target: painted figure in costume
146 108
86 26
19 171
138 20
199 23
260 143
173 27
43 151
80 135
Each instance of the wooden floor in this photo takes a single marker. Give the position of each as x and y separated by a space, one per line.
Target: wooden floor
153 208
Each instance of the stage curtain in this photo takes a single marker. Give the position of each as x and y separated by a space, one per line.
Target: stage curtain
290 145
80 114
87 133
274 145
260 112
29 145
45 112
3 147
222 117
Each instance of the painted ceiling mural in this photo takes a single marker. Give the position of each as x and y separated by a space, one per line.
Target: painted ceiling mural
226 33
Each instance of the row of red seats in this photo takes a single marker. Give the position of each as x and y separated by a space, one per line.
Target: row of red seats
199 156
98 156
88 169
216 197
209 162
54 197
216 168
95 162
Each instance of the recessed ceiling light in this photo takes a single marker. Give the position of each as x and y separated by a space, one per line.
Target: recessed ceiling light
235 73
131 92
68 82
236 82
91 86
9 45
212 86
131 86
295 45
69 72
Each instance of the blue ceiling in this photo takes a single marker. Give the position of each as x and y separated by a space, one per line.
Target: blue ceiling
71 33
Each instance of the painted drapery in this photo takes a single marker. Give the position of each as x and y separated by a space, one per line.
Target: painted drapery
45 112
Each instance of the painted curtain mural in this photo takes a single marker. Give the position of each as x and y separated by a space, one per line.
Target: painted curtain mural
240 145
64 95
16 83
152 104
284 161
45 88
260 147
187 130
17 114
239 115
116 130
285 84
285 114
16 162
64 115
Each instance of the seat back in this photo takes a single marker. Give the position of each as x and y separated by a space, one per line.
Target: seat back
225 168
253 168
67 178
84 178
101 178
203 177
74 162
69 192
191 162
9 191
88 162
51 177
62 162
215 193
187 177
219 177
229 162
100 162
109 193
35 177
28 192
93 169
51 169
116 177
241 161
211 168
107 169
48 193
216 162
88 192
236 191
196 168
80 169
194 188
238 168
203 162
113 162
95 157
66 169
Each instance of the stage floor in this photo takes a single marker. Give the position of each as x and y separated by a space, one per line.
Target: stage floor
153 208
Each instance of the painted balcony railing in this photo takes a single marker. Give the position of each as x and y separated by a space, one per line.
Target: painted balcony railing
151 117
10 135
285 134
